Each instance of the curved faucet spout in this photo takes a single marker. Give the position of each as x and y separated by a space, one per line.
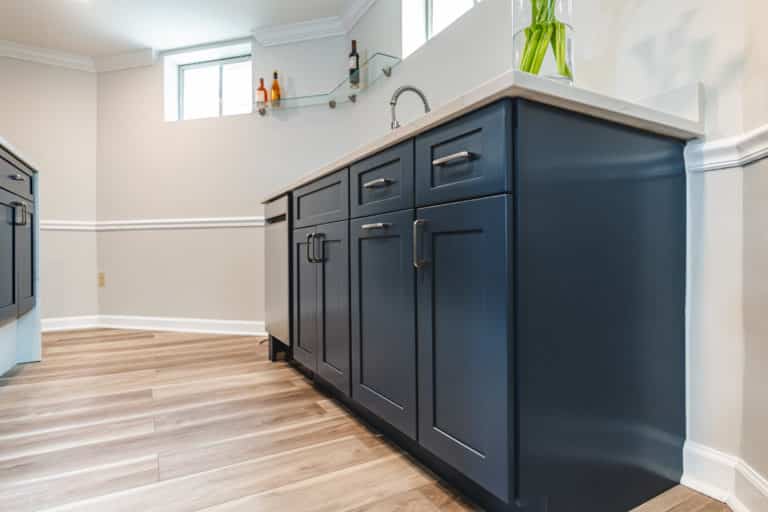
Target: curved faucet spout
396 97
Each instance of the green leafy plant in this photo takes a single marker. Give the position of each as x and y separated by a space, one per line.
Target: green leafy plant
545 31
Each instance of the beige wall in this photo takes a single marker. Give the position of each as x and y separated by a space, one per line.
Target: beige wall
756 92
187 273
754 447
49 115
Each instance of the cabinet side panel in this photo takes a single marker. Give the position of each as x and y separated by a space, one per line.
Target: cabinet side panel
600 311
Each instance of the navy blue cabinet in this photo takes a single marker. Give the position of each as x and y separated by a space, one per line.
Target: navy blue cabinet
382 183
8 220
322 201
332 260
466 158
522 331
384 318
464 338
306 316
25 257
321 302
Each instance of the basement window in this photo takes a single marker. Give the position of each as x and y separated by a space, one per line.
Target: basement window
207 82
424 19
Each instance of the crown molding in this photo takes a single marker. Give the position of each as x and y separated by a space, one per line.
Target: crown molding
334 26
354 12
151 224
298 32
727 153
137 59
46 56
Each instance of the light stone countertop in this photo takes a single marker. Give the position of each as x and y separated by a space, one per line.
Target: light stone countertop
9 147
516 84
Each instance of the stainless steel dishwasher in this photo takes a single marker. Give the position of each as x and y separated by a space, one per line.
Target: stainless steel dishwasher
278 272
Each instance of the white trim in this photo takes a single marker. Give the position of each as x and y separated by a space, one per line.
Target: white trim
47 56
727 153
145 323
297 32
69 323
354 12
151 224
714 473
135 59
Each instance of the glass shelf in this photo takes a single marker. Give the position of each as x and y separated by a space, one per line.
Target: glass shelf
371 71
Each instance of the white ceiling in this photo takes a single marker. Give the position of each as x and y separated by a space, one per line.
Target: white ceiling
97 28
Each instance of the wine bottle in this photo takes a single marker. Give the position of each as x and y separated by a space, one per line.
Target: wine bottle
354 67
276 95
262 96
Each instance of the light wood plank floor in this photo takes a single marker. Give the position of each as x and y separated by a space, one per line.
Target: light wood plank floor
147 421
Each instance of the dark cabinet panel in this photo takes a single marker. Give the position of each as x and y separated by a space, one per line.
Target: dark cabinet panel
25 258
466 158
383 183
333 358
14 180
322 201
321 301
305 306
8 214
383 318
464 338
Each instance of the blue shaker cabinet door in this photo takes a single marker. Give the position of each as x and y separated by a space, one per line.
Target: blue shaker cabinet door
464 338
9 213
332 255
466 158
384 318
305 307
25 260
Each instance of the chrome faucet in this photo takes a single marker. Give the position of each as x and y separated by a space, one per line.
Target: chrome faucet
396 97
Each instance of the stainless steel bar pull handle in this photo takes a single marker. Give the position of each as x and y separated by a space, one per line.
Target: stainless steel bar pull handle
378 225
318 242
379 183
16 205
417 261
16 177
310 246
456 157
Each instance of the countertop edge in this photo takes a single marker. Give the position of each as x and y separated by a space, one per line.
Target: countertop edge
515 84
7 146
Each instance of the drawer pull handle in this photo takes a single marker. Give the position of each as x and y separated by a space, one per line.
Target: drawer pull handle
379 183
461 156
378 225
24 212
16 177
418 263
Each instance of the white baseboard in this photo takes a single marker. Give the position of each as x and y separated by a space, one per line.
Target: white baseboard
725 478
69 323
236 327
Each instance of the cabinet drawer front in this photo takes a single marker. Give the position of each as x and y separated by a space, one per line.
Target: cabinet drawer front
469 157
384 318
464 338
383 183
14 180
325 200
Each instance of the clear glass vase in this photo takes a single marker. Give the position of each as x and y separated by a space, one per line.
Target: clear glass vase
543 41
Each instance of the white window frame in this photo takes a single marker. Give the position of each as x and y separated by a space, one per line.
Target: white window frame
419 11
174 59
220 63
430 9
